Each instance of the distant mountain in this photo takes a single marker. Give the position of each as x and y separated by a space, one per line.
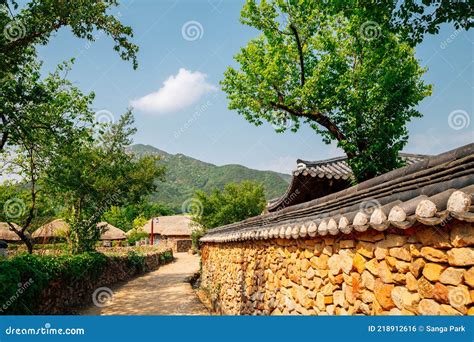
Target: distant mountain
184 175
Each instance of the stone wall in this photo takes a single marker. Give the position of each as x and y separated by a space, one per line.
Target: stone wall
421 270
179 244
67 297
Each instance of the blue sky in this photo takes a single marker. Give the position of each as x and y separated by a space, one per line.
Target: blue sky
195 121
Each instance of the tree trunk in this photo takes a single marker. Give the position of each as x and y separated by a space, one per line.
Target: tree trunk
26 240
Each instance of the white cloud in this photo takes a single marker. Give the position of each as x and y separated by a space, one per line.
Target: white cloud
178 92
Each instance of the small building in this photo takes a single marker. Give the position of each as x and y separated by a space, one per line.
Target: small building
6 234
52 231
315 179
174 231
110 233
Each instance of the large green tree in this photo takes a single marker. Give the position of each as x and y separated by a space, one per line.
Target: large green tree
98 174
23 28
65 120
235 203
352 80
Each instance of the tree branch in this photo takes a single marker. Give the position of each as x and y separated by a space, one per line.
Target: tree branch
320 118
300 52
28 39
4 139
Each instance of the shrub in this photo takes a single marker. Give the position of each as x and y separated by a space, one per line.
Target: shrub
24 277
136 234
166 257
136 261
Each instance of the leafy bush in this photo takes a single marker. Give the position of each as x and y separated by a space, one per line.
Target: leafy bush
24 277
136 261
235 203
196 235
166 257
137 233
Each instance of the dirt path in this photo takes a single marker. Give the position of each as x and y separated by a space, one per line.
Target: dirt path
161 292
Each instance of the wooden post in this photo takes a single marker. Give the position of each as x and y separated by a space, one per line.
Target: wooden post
152 231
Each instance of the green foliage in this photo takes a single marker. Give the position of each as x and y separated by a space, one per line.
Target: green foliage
32 24
137 233
196 235
136 261
185 175
235 203
36 21
124 217
318 65
50 116
98 174
414 19
34 272
166 257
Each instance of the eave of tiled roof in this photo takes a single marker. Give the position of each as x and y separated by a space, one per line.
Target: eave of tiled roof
334 168
430 192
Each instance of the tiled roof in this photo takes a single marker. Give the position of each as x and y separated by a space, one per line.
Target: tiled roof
429 192
329 169
338 167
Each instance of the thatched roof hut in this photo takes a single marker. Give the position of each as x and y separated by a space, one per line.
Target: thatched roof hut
54 229
175 225
6 234
111 232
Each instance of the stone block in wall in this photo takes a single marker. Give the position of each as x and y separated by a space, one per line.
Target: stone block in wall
451 276
462 235
433 271
433 237
461 256
469 276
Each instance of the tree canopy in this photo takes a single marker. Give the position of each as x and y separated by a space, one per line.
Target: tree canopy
35 23
92 177
43 128
124 217
24 28
414 19
352 80
235 203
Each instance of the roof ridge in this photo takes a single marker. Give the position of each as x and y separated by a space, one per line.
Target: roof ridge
449 169
344 158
